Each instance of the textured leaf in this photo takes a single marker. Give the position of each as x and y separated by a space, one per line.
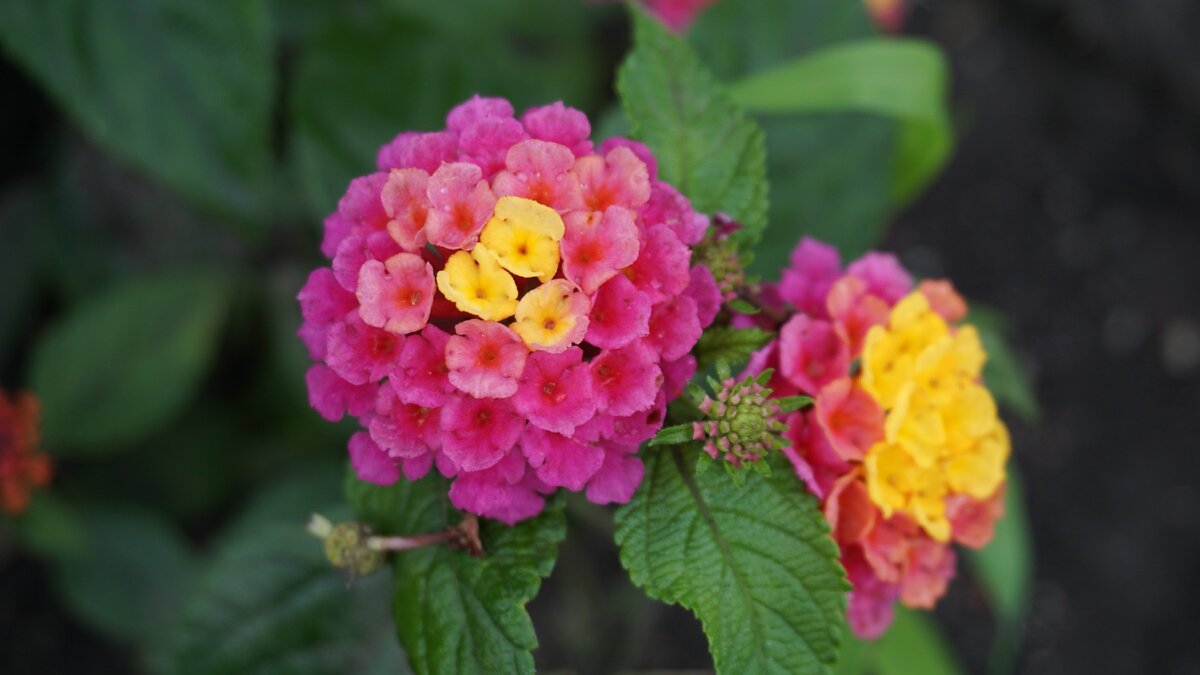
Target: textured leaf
182 90
704 144
755 564
122 364
455 613
732 345
269 602
901 79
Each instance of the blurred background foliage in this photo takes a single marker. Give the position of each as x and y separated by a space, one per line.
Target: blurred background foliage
169 167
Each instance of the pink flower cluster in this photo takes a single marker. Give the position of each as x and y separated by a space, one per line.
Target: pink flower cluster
824 315
510 412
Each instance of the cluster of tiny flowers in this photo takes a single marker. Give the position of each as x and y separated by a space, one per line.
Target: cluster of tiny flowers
22 467
742 422
905 450
508 304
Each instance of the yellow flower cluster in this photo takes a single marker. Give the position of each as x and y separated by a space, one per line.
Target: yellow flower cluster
521 238
942 433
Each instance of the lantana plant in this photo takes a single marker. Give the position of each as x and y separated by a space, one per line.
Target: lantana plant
512 306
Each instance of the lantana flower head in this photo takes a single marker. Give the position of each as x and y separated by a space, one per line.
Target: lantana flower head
508 303
22 467
903 444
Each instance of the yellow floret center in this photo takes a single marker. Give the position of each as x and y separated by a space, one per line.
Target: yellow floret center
545 316
525 237
477 284
942 433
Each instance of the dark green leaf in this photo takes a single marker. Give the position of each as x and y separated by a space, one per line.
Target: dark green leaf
829 172
377 69
269 602
1003 372
52 529
455 613
131 576
755 564
182 90
1005 567
704 144
732 345
22 216
900 79
125 362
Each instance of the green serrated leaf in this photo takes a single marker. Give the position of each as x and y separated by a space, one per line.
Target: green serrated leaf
183 90
732 345
455 613
900 79
122 364
756 565
705 145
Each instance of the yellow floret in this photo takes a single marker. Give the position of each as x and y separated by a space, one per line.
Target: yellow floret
524 235
476 284
943 435
548 315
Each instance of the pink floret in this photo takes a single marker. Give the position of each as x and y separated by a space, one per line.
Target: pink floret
618 477
461 203
620 314
541 171
556 391
396 295
884 275
595 246
662 267
475 110
560 461
359 211
424 377
477 432
333 397
805 283
674 327
559 124
485 359
625 380
811 353
617 179
370 463
362 354
486 142
406 202
425 151
668 207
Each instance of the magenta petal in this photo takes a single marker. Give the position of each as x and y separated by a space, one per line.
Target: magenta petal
359 212
460 203
559 124
618 477
668 207
625 380
598 245
333 397
559 460
556 391
396 295
703 289
485 359
422 377
360 353
476 109
541 171
661 268
356 250
811 353
620 314
674 327
406 202
415 150
884 275
370 463
477 432
805 283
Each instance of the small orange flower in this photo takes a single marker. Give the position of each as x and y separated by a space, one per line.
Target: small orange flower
22 467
